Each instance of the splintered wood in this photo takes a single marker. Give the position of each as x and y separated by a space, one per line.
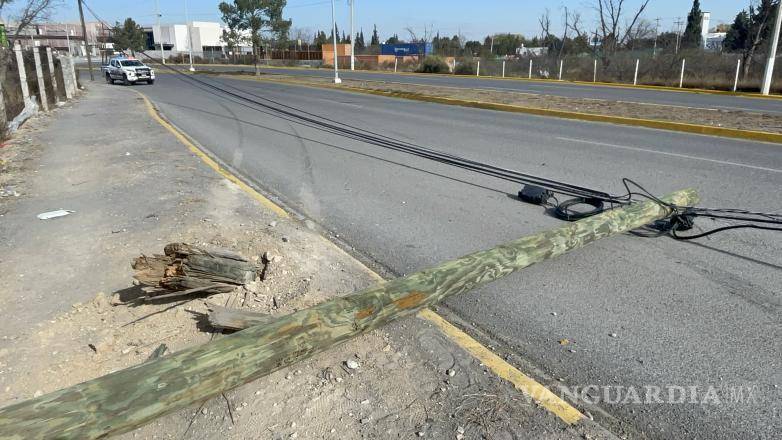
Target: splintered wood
185 269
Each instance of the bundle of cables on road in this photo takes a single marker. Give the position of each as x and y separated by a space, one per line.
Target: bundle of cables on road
537 190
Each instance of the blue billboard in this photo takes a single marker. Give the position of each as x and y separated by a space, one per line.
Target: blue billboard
406 49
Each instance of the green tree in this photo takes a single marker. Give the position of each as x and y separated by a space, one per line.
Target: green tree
320 39
360 45
394 39
473 47
261 18
693 37
129 36
738 35
375 38
232 35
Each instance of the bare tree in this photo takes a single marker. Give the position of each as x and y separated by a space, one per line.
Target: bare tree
303 35
422 38
564 33
615 25
545 24
29 12
643 30
24 15
759 21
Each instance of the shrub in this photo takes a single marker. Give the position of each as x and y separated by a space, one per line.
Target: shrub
465 68
433 64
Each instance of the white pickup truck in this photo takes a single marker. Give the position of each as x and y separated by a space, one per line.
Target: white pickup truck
128 71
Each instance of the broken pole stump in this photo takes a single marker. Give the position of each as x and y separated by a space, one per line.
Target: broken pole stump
184 269
127 399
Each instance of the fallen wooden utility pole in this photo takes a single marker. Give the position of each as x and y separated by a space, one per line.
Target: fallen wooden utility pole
127 399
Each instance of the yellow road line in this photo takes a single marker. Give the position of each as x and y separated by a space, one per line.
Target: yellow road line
522 382
497 365
211 163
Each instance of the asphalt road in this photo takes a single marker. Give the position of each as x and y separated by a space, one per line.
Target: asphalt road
571 90
703 315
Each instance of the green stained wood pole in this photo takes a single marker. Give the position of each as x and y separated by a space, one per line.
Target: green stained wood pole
127 399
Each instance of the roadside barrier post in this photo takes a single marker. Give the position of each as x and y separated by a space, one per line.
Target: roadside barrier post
396 60
530 68
478 70
69 76
736 80
503 68
681 77
561 65
52 73
635 77
70 88
594 73
22 73
41 83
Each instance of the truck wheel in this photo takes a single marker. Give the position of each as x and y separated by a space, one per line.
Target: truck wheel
125 80
108 79
150 82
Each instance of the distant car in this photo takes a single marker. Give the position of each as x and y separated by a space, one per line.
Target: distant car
129 71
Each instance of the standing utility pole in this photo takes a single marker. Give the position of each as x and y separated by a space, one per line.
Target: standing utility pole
86 42
334 38
678 23
159 32
189 38
656 34
772 53
352 39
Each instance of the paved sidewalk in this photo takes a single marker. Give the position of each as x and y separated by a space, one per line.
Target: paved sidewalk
133 188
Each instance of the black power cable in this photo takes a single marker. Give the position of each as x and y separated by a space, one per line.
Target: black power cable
682 218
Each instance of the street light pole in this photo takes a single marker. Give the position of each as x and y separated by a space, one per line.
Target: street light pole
159 32
352 39
189 38
772 53
334 38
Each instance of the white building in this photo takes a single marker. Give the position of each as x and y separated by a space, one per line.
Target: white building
531 51
205 36
714 40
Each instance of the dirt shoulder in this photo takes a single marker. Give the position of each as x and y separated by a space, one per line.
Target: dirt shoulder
69 314
734 119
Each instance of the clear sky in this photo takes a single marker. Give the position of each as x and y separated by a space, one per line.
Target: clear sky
474 19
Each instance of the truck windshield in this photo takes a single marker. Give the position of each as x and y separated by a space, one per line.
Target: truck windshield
131 63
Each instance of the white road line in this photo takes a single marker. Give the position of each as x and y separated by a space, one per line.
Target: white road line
683 156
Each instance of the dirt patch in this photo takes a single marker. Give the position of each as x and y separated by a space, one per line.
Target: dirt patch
712 117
